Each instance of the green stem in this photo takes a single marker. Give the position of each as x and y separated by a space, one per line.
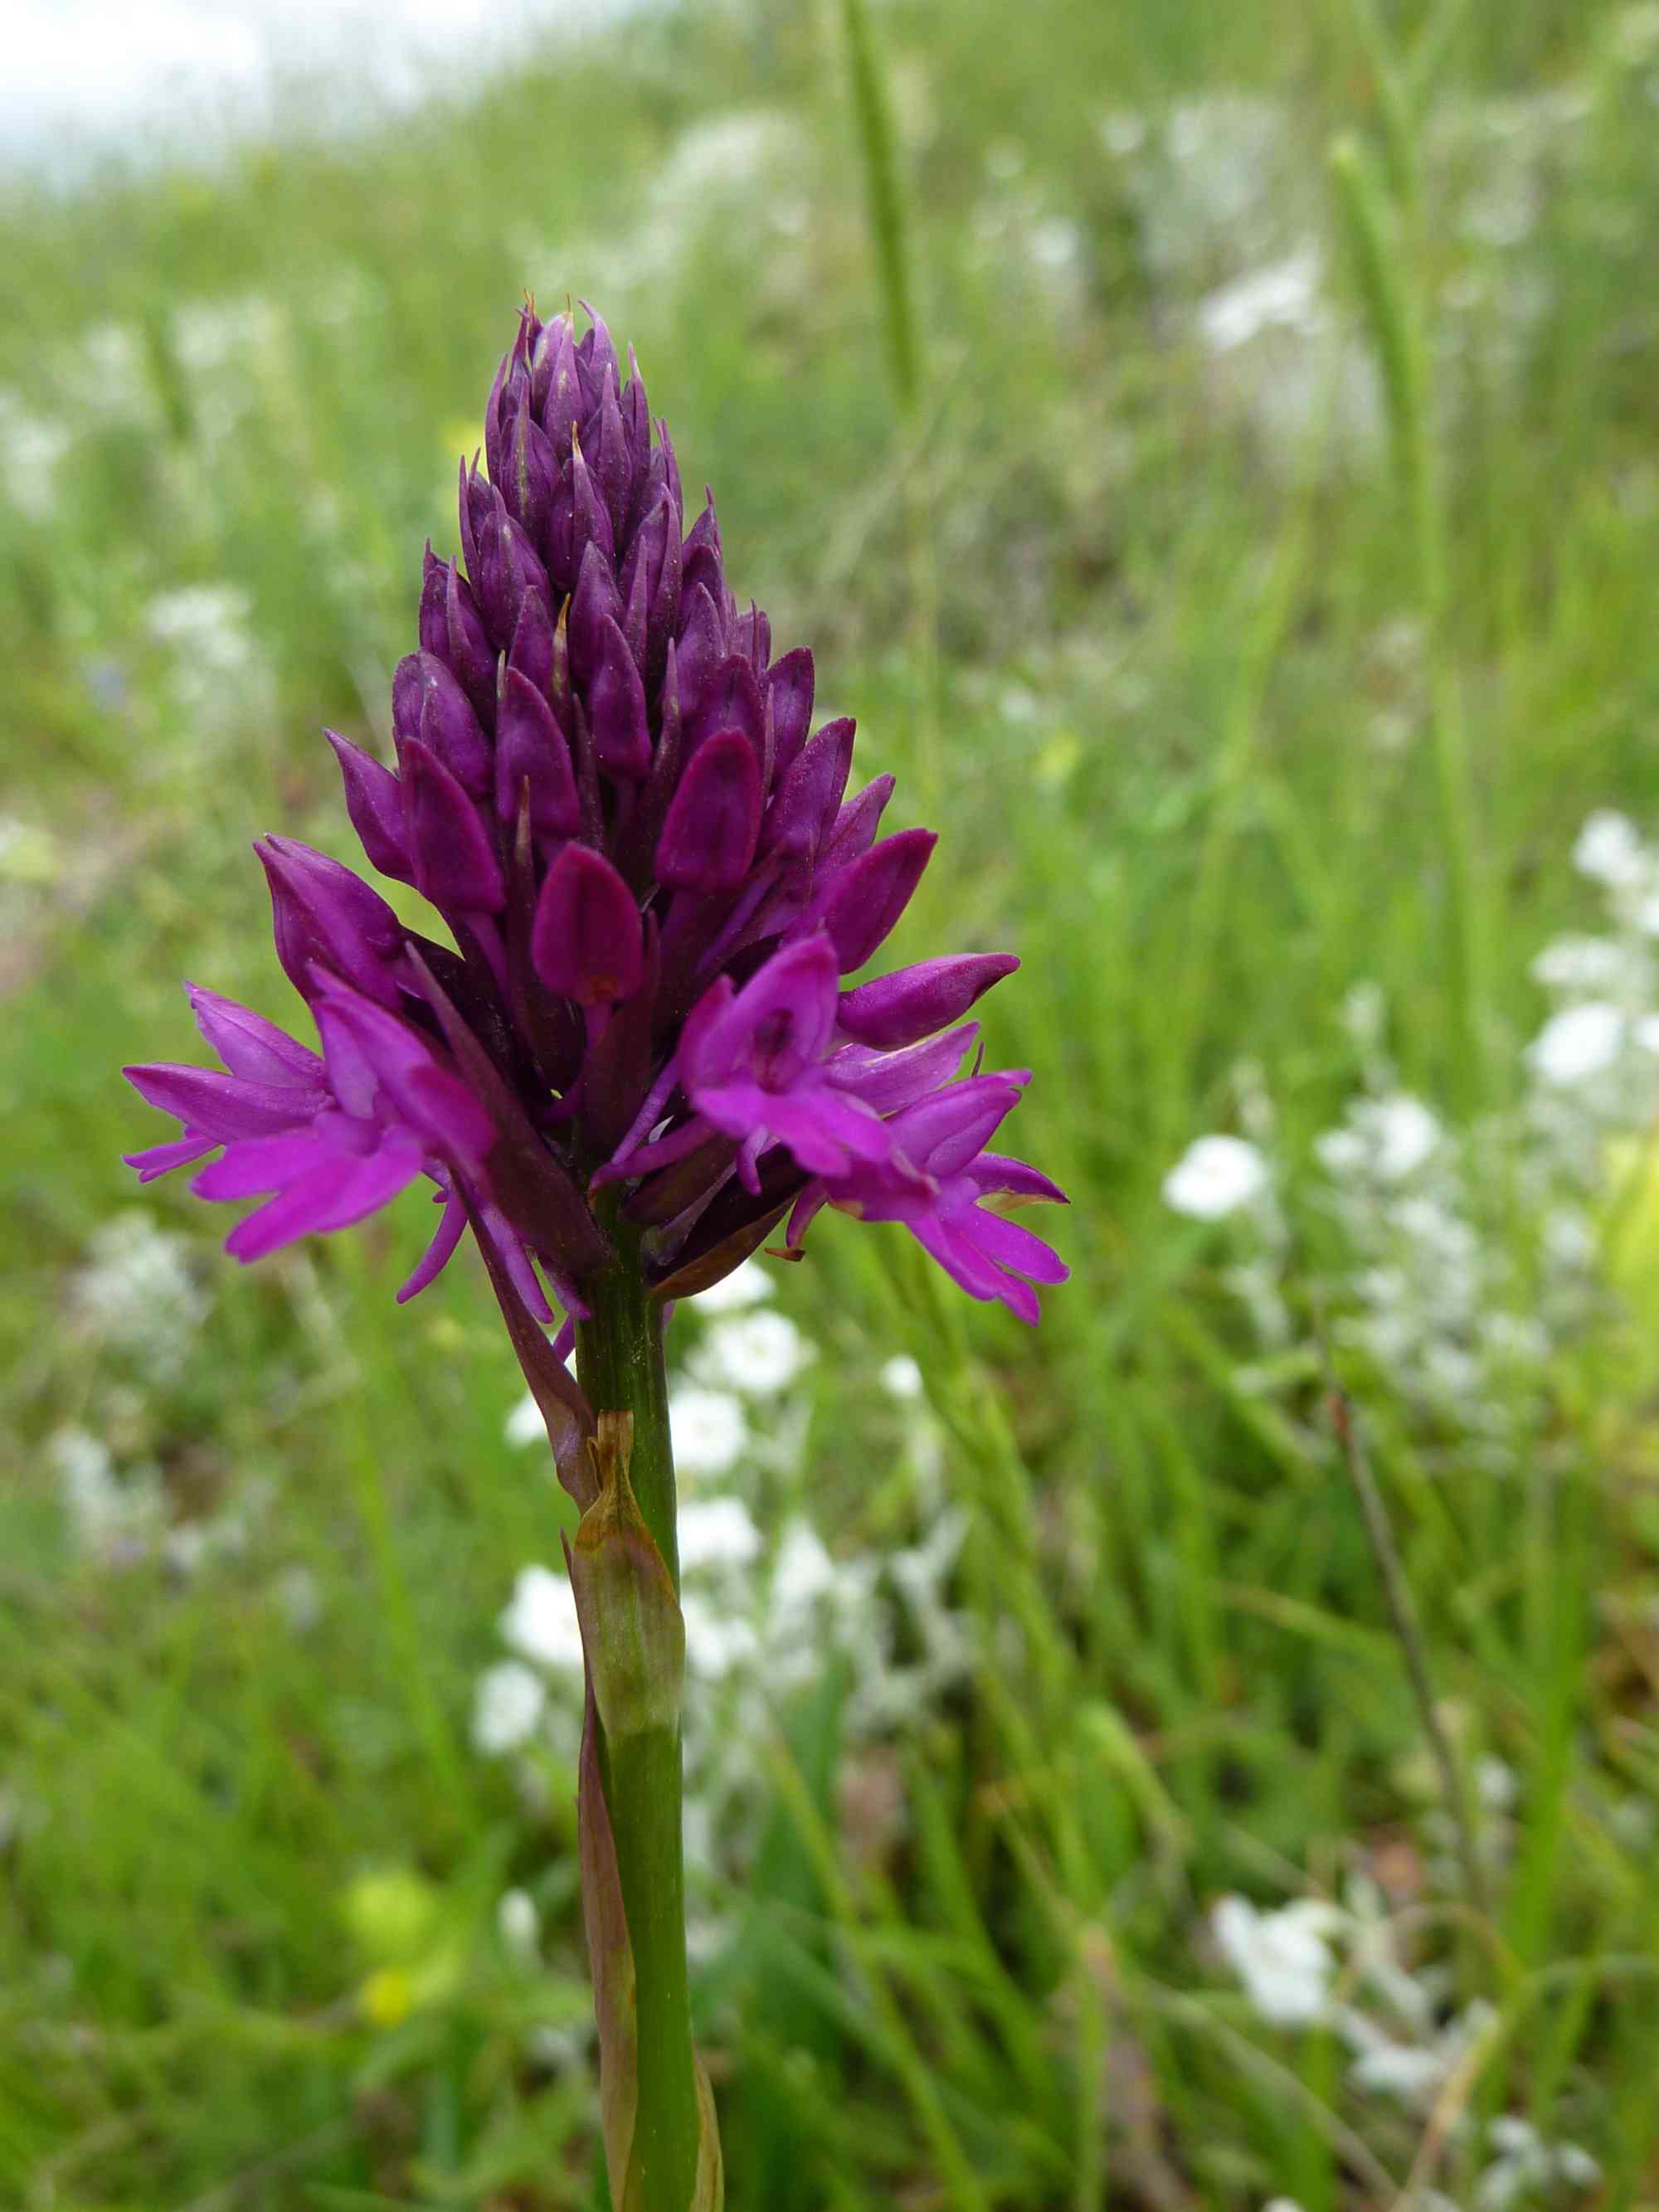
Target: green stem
619 1362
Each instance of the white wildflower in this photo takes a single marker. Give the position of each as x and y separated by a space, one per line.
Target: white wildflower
1589 967
524 1425
1414 2073
299 1599
1284 295
708 1428
1214 1176
105 1513
716 1640
1283 1958
541 1624
747 1286
519 1925
507 1707
901 1378
714 1532
31 446
1609 850
1527 2166
1496 1785
138 1292
1578 1044
761 1354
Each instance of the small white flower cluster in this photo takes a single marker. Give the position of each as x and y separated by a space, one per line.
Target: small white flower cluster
1314 1963
217 671
1449 1310
139 1294
762 1620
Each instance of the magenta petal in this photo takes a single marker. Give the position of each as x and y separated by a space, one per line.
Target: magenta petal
263 1163
823 1132
993 1172
161 1159
440 1251
249 1045
223 1108
889 1081
773 1029
963 1259
944 1132
1013 1245
332 1195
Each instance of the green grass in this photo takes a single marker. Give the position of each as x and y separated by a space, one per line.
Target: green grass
1136 651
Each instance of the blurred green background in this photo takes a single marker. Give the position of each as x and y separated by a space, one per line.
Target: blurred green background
1213 453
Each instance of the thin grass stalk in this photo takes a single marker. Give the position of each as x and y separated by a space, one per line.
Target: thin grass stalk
887 218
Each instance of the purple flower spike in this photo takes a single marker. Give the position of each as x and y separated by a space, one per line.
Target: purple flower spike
586 942
609 786
912 1003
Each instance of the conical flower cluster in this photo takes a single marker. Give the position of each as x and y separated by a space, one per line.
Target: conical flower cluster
653 881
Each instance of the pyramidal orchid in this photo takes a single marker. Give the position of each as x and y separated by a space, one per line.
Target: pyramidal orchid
625 1056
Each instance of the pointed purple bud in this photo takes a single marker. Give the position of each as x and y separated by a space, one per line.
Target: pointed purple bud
427 703
635 593
594 601
530 749
708 843
615 709
321 913
912 1003
705 531
532 477
613 467
554 387
860 903
454 865
374 801
730 701
754 638
467 649
667 444
596 358
803 811
702 645
590 523
856 824
560 544
653 559
789 688
559 690
532 645
509 568
587 942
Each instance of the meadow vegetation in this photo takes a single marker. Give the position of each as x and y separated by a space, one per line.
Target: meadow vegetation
1221 475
